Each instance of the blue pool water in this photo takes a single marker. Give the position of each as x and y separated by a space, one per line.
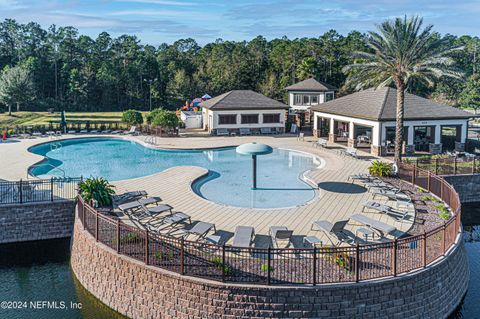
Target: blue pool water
230 174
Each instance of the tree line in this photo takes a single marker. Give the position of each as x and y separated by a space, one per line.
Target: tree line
61 69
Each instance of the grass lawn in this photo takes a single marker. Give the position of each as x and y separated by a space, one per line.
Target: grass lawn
44 118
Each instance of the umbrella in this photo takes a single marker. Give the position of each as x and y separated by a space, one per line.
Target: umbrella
254 149
63 121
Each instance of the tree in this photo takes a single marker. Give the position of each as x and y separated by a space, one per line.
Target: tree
16 87
132 117
307 69
402 52
165 118
470 97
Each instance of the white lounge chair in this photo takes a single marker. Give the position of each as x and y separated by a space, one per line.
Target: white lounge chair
221 132
245 131
320 142
243 236
281 236
336 230
385 209
132 131
351 151
378 227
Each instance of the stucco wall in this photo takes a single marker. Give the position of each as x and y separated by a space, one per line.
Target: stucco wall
141 291
36 221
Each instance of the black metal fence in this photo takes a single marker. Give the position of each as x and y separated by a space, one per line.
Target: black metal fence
38 190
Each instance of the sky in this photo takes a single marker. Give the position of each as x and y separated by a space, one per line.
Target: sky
158 21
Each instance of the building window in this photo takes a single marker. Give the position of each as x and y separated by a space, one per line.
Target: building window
249 118
328 97
314 100
271 118
305 99
227 119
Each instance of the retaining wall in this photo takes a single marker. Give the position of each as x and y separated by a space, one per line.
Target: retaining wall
467 187
36 221
141 291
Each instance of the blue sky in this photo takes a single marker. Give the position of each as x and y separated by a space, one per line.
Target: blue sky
158 21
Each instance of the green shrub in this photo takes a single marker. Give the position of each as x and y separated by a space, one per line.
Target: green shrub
445 215
379 168
163 118
98 189
132 117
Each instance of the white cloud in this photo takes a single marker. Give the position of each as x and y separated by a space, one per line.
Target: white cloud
166 2
146 13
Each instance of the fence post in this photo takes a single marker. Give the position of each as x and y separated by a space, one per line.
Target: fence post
429 180
443 238
455 165
269 258
357 262
21 191
414 172
314 281
473 166
51 189
436 166
96 225
182 254
223 262
118 236
424 253
394 259
146 247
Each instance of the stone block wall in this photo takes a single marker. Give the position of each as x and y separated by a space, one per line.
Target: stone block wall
141 291
467 187
36 221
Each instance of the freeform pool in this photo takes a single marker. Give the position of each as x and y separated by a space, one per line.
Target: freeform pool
279 174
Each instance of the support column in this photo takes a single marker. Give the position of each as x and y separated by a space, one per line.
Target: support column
315 131
410 145
331 134
436 147
351 135
460 146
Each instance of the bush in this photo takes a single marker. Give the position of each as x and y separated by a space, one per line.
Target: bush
379 168
164 118
98 189
132 117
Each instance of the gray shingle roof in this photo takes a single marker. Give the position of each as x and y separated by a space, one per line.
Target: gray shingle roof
380 105
311 85
242 100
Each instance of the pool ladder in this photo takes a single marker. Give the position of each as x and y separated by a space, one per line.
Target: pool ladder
30 169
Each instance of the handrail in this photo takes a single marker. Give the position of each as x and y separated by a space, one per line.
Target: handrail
290 265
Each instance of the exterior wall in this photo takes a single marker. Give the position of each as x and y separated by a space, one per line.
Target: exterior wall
260 124
36 221
467 187
141 291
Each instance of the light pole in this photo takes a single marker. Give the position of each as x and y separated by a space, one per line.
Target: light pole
150 81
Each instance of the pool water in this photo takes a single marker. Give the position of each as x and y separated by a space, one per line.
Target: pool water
279 182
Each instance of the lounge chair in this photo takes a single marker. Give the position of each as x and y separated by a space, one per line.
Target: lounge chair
320 142
83 131
37 134
140 212
266 130
94 132
351 151
169 221
365 178
395 196
385 209
281 236
245 131
72 132
221 132
378 227
199 230
117 132
243 236
127 197
132 131
336 230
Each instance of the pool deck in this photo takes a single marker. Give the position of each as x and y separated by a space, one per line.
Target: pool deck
337 198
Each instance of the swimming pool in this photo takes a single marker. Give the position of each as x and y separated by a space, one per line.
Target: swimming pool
279 176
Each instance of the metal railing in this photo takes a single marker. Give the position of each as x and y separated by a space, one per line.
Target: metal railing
272 266
449 165
38 190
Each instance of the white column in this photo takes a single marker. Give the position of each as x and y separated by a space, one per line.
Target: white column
315 121
410 135
438 134
464 129
351 130
332 124
376 134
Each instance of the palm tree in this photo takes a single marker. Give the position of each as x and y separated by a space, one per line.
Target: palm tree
401 52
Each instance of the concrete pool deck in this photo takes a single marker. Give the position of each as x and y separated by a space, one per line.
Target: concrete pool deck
337 198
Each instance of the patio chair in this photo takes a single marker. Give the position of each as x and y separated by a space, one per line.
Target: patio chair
365 178
199 230
72 132
245 131
320 142
222 132
117 132
336 230
169 221
281 236
141 213
352 151
37 134
301 136
385 209
243 236
378 227
119 199
94 132
132 131
266 130
83 131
